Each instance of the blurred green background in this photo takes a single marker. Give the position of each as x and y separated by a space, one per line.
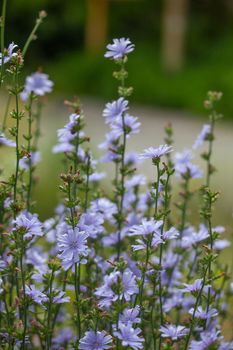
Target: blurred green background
184 46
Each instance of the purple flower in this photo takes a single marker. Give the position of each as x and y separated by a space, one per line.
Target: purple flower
173 332
135 181
96 177
207 339
220 244
34 158
8 54
120 48
190 237
226 346
95 341
38 83
64 336
130 316
172 233
117 286
202 136
5 141
115 109
104 207
147 227
129 126
60 297
28 224
184 166
204 314
129 336
72 246
36 295
194 287
155 153
91 224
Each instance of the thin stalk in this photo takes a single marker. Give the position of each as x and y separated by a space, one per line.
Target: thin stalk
37 117
59 305
195 310
3 37
71 209
29 191
32 35
210 151
122 180
48 338
166 204
77 293
24 311
87 183
17 135
209 265
76 159
6 112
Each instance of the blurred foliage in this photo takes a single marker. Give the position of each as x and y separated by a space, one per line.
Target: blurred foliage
61 50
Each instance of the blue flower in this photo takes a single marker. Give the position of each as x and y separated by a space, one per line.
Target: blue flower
95 341
72 246
38 83
184 166
35 294
62 339
204 314
60 297
129 126
130 316
207 339
34 157
120 48
8 54
117 286
91 224
5 141
28 224
173 332
129 336
147 227
202 136
156 153
115 109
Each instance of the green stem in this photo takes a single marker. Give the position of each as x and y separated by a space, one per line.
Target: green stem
6 112
24 311
48 340
87 183
210 150
209 265
195 310
4 3
122 170
77 294
17 135
32 35
37 116
29 152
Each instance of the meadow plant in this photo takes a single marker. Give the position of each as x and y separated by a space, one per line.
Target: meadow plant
107 271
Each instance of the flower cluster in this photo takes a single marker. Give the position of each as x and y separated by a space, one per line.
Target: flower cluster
122 269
